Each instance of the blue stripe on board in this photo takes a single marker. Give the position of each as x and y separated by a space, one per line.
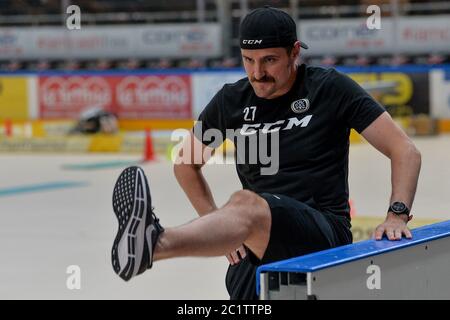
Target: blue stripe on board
99 165
11 191
144 72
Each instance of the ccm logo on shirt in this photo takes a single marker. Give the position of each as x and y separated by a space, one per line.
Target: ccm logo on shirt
249 129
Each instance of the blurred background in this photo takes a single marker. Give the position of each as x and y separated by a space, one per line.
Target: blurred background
77 106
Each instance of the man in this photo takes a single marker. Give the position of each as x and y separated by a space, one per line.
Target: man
96 120
299 208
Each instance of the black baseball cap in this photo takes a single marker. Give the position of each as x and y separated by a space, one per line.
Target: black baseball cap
268 27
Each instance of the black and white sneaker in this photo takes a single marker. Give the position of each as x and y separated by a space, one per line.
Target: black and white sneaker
139 228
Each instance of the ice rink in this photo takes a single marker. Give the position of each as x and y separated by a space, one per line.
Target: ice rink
53 218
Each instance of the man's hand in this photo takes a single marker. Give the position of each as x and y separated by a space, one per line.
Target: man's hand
234 258
394 227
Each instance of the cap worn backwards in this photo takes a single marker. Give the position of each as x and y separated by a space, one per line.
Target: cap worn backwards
268 27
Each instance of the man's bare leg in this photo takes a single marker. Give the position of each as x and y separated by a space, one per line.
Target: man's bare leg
140 239
245 219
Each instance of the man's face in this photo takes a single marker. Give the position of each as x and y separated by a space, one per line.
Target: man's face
271 71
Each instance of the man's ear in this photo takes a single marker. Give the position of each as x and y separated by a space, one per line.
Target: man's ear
295 53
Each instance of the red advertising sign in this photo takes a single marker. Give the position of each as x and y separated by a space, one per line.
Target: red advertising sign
67 96
154 97
130 97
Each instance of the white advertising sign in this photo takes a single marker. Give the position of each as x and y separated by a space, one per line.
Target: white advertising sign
344 36
420 34
424 34
206 84
140 41
440 93
197 40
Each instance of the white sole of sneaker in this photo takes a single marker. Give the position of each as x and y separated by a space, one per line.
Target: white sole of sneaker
130 206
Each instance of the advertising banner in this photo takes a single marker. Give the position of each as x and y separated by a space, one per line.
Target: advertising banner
440 93
419 34
116 42
402 93
180 40
344 36
153 96
428 34
206 84
13 98
12 43
65 97
130 97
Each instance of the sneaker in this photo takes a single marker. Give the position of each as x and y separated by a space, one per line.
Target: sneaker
139 228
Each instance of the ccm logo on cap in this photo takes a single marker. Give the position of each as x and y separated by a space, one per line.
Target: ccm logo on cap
251 41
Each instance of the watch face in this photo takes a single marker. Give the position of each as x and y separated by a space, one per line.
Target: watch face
398 207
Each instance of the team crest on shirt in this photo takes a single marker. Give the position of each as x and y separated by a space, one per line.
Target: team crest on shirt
300 106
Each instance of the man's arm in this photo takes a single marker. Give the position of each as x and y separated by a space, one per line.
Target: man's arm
388 138
187 169
192 157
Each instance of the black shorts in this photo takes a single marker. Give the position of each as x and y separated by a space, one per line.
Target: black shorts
297 229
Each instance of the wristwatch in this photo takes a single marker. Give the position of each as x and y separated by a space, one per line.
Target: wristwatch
398 208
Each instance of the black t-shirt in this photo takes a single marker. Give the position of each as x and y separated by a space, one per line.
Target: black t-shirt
313 122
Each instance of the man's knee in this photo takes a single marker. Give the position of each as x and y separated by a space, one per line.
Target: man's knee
243 197
249 203
253 213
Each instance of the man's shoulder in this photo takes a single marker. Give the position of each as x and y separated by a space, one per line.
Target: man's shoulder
238 87
233 93
327 78
231 96
319 73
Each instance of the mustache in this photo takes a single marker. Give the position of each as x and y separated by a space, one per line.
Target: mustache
263 80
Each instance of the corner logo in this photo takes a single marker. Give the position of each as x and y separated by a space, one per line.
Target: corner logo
300 106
